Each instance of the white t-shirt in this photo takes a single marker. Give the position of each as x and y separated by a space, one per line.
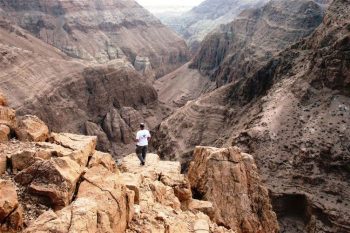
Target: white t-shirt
142 136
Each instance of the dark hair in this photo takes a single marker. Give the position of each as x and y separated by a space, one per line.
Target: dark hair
142 126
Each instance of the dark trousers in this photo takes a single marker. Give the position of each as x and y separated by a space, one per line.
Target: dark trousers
141 152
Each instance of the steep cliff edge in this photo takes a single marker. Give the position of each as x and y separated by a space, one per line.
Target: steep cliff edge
71 95
101 31
293 116
237 50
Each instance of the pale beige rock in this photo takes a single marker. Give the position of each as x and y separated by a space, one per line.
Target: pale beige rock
8 199
55 179
3 101
3 162
7 117
114 200
104 159
11 212
31 128
4 133
132 182
229 179
165 195
23 159
154 167
82 146
202 206
45 149
201 226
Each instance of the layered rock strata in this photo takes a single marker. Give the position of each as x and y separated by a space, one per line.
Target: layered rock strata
100 31
293 116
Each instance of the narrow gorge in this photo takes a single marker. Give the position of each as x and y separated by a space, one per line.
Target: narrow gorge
248 107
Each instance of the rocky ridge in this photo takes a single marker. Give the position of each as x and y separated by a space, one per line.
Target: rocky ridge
101 31
293 116
59 182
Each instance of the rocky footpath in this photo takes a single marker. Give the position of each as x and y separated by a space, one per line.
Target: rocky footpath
292 115
101 31
58 182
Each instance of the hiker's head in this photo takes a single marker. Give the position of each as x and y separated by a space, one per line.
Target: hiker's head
142 125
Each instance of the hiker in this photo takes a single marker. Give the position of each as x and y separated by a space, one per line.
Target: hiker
142 138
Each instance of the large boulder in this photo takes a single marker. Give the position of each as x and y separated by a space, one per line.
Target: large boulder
53 179
31 128
104 159
8 117
3 101
229 179
3 163
82 146
11 213
4 133
115 202
23 159
80 216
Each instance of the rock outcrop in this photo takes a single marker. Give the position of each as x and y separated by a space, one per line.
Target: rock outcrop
237 50
293 116
229 179
100 31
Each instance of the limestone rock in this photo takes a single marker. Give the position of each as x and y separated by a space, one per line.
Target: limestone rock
202 206
8 117
23 159
104 159
80 216
165 195
114 200
82 146
3 163
54 179
11 213
93 129
3 101
31 128
132 182
229 179
46 149
4 133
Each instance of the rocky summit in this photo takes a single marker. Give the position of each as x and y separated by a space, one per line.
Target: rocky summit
58 182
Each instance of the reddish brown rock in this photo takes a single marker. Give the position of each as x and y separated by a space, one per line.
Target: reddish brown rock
3 101
54 179
104 159
31 128
229 179
23 159
8 117
114 200
11 213
132 182
4 133
82 146
3 162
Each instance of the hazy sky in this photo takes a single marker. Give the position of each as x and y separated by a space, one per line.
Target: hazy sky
157 6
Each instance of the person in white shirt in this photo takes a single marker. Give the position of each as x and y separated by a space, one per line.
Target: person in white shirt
142 138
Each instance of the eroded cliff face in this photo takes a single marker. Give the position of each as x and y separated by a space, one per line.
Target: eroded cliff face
196 24
237 50
101 31
293 116
71 95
